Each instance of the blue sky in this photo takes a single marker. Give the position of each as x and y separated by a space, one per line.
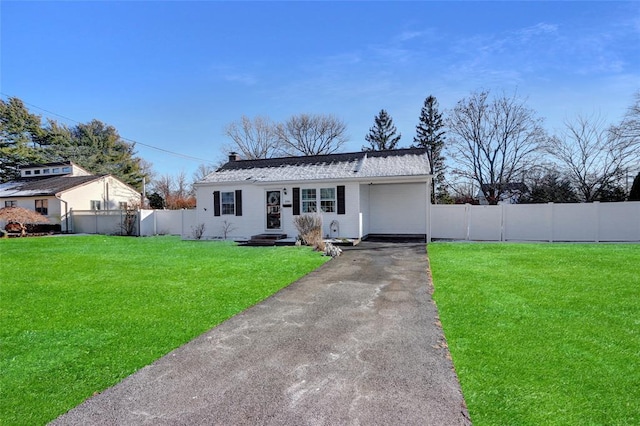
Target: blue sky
173 74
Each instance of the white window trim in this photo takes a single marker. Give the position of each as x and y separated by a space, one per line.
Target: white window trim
333 200
305 203
223 203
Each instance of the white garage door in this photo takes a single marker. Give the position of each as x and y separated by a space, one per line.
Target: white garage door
398 208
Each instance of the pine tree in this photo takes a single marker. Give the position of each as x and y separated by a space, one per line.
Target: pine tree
634 195
383 133
429 135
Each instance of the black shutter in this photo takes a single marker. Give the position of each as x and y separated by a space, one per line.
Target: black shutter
296 201
341 206
216 203
238 202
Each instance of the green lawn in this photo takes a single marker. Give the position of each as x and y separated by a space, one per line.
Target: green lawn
80 313
543 334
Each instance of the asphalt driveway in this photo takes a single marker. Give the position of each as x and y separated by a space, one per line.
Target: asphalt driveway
356 342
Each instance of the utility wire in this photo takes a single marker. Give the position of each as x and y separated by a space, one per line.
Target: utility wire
176 154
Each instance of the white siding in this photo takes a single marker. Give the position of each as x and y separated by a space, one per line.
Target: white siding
253 219
109 191
53 210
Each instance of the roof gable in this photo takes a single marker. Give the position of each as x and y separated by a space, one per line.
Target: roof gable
354 165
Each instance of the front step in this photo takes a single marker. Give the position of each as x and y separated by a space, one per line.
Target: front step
265 239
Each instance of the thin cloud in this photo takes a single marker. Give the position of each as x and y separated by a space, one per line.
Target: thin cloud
231 74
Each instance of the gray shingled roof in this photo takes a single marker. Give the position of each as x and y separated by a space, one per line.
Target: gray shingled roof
355 165
47 186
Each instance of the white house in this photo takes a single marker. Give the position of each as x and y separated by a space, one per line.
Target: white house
358 194
56 189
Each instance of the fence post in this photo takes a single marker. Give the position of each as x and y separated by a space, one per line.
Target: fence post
467 221
596 206
552 220
503 219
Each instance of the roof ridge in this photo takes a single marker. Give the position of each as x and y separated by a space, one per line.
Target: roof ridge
316 159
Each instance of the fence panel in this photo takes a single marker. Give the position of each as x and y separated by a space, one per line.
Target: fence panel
575 222
485 223
449 221
107 222
169 222
619 221
527 222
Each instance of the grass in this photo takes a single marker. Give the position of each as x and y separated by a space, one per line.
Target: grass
80 313
543 333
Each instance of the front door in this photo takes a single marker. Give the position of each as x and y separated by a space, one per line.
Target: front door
274 211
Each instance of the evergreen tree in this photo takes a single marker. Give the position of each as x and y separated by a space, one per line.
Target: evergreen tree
19 133
95 146
383 133
429 135
634 195
550 188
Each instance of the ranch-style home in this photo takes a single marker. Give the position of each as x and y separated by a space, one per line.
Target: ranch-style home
359 195
56 189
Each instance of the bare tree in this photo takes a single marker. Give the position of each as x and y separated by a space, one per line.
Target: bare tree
253 138
175 190
493 141
312 134
630 126
593 155
164 186
203 171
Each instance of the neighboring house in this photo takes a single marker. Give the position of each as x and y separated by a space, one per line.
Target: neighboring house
511 193
358 195
55 189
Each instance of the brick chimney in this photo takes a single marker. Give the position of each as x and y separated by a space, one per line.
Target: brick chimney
234 156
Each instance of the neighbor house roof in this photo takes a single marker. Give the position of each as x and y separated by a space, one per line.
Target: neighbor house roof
354 165
46 186
510 187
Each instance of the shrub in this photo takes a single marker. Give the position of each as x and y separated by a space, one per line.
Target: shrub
197 231
309 227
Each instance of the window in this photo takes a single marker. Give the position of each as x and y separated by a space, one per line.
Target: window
228 203
42 207
66 169
95 205
328 200
45 171
309 203
27 172
122 205
36 172
56 170
332 200
10 203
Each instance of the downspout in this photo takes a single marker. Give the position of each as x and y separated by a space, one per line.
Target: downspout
66 213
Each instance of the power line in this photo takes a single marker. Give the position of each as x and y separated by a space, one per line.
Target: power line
176 154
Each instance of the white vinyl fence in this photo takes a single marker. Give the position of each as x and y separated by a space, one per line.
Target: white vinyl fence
148 222
537 222
508 222
108 222
167 222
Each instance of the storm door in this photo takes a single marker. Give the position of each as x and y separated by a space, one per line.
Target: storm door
274 210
